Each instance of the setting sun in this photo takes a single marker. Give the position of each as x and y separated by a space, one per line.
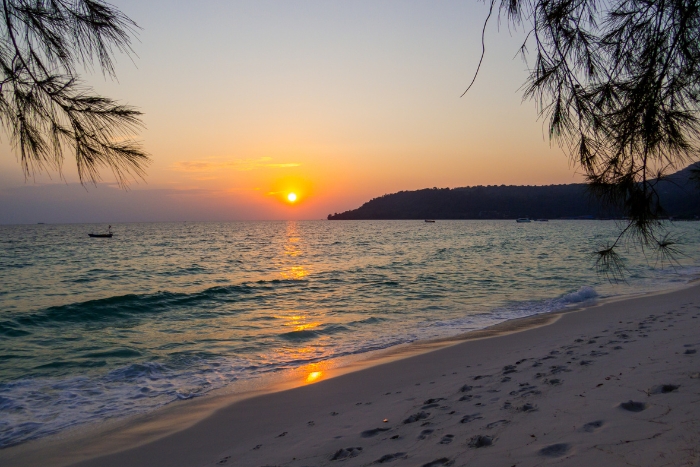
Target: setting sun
291 197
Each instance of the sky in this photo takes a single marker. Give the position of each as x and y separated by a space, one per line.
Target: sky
336 101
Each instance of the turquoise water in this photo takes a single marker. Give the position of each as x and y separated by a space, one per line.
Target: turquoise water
98 328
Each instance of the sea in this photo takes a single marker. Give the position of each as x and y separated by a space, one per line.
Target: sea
97 329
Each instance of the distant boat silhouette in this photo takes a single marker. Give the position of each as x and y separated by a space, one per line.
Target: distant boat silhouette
429 220
102 235
522 220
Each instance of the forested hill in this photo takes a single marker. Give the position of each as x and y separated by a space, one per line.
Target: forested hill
680 197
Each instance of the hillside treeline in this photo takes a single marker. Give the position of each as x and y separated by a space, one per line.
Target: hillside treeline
679 196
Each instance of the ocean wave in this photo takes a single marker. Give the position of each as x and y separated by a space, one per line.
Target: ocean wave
135 305
307 334
581 295
514 310
35 407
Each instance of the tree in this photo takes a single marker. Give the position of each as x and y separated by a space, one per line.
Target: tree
44 106
619 83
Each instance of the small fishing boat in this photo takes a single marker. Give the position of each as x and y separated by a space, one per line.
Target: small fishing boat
522 220
102 235
430 220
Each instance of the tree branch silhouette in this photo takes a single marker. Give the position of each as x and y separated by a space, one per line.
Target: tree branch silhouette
619 83
44 106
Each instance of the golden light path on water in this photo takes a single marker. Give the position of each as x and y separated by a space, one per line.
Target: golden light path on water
297 319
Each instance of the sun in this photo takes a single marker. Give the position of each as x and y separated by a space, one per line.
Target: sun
291 197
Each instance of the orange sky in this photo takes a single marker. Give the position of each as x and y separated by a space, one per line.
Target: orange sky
339 102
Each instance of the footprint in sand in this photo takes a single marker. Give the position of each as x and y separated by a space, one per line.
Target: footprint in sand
497 423
373 432
555 450
480 441
471 418
447 439
633 406
664 389
591 427
390 457
438 462
527 408
425 433
417 416
224 460
346 453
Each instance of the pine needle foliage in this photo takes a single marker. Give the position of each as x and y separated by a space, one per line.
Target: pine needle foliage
618 82
45 108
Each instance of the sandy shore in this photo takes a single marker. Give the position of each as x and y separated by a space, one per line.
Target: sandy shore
614 384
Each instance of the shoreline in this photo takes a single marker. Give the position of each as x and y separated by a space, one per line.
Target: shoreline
179 415
153 429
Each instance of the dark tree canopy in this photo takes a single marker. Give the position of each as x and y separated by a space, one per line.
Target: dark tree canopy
45 108
618 82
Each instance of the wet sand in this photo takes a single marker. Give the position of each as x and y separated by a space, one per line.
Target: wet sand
613 384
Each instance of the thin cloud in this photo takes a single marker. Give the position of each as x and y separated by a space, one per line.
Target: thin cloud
238 164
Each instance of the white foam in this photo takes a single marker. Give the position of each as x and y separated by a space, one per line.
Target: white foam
581 295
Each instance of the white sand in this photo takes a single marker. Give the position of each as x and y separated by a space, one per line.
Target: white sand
546 395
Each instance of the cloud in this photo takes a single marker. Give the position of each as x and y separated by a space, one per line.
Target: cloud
238 164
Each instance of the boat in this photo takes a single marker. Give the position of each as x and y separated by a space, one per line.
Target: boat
102 235
522 220
429 220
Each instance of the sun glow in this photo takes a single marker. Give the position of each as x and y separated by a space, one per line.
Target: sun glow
291 197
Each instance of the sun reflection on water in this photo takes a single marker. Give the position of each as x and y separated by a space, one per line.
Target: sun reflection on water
313 376
314 372
295 272
293 249
299 322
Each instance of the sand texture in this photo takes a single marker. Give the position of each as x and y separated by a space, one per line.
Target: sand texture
613 385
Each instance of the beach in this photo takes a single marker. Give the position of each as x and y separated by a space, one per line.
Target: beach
344 243
613 384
